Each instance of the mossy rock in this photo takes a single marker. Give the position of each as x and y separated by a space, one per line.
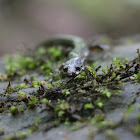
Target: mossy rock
69 108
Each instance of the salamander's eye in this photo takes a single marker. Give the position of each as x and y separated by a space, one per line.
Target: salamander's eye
77 68
65 69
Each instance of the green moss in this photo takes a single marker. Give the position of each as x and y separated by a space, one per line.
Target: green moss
19 135
69 99
62 98
63 106
76 126
19 64
105 91
55 53
7 95
35 125
138 117
88 106
35 84
2 132
128 111
60 113
22 95
50 85
16 88
111 134
82 75
67 122
47 67
82 91
137 77
66 92
21 86
21 109
119 63
45 101
58 83
137 129
9 89
99 103
13 110
32 102
93 72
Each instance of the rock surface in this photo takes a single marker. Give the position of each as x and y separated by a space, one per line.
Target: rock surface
114 110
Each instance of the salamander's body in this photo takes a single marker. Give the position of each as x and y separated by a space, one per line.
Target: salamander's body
76 57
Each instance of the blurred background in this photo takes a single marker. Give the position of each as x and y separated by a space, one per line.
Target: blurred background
25 23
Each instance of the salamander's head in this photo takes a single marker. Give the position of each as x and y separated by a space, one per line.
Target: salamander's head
72 67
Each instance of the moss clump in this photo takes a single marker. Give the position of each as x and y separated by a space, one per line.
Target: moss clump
43 59
1 132
18 64
137 129
13 110
16 88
